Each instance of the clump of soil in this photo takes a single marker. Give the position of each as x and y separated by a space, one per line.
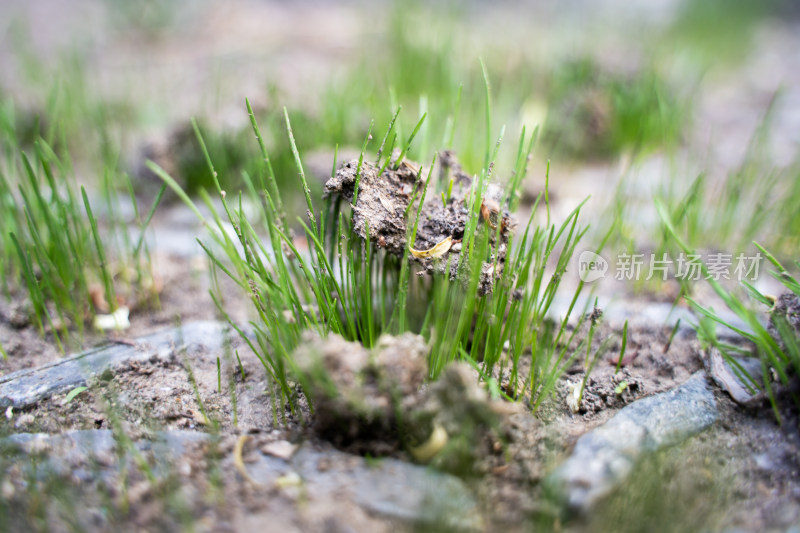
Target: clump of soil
382 211
457 404
382 200
377 402
357 395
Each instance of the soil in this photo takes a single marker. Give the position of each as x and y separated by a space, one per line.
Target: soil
746 449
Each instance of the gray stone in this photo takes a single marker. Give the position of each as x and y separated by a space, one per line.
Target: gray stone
604 457
414 494
91 454
387 488
672 416
26 387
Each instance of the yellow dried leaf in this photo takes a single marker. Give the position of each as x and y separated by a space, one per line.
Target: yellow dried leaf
238 461
436 251
428 449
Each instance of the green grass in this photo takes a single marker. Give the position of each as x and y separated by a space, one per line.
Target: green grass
53 241
350 287
779 353
755 201
231 151
419 65
596 113
717 32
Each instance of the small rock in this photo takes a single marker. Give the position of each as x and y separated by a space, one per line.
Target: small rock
574 397
198 417
605 456
20 316
281 449
185 468
7 489
117 320
290 479
415 495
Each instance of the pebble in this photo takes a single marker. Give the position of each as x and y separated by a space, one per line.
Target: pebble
24 420
604 457
281 449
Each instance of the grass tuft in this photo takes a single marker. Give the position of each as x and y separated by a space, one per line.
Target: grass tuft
777 349
342 284
53 241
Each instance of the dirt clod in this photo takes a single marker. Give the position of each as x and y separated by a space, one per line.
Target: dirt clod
382 211
382 200
357 395
458 404
376 401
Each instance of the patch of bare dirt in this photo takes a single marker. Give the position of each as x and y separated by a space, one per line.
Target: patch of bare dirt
24 346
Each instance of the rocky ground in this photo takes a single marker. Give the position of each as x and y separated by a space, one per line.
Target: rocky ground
155 442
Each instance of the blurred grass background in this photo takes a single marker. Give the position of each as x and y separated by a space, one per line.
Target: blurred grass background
633 99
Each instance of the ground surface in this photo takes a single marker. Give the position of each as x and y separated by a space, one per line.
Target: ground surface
740 472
